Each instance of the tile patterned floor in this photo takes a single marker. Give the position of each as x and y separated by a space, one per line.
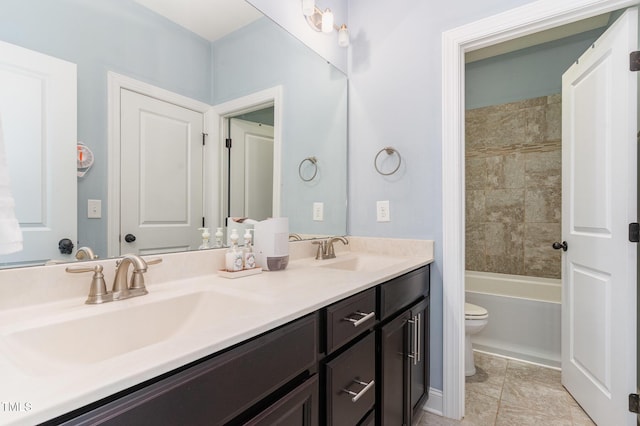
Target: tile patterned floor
511 393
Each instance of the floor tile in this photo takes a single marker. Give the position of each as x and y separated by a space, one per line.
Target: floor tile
513 393
511 415
489 377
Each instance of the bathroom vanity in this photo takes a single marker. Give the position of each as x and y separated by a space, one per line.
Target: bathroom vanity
338 342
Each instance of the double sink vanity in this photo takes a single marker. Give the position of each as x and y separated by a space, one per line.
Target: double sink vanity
340 341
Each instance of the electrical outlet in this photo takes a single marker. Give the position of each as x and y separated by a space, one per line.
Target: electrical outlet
94 209
382 211
318 212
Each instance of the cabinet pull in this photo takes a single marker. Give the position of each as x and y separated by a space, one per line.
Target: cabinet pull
418 334
413 350
365 317
357 395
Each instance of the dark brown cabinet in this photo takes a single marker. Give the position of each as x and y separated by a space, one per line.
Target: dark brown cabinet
403 341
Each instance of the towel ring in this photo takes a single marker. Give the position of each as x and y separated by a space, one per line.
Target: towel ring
390 151
314 162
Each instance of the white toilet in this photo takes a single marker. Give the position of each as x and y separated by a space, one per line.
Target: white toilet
475 319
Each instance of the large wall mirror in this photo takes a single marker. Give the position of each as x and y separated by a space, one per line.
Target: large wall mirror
127 38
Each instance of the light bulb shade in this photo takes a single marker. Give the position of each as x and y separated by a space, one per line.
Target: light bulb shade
308 7
343 36
327 21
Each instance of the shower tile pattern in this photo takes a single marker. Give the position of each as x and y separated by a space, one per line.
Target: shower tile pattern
513 187
508 392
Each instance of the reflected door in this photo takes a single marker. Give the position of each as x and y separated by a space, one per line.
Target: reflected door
161 176
599 201
250 175
38 111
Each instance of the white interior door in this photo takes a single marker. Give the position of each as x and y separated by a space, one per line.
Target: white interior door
39 115
599 201
161 176
251 177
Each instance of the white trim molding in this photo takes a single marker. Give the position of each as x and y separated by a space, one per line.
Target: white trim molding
434 403
115 84
528 19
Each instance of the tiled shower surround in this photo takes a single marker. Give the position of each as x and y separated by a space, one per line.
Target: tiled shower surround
513 187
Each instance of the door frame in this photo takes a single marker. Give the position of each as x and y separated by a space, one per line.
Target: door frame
245 104
115 83
524 20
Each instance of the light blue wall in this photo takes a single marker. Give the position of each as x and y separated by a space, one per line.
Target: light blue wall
395 99
524 74
101 36
314 115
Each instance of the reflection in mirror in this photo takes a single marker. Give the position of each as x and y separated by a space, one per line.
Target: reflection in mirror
125 37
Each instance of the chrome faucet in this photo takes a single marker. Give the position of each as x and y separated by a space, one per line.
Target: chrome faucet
295 237
121 288
325 247
85 253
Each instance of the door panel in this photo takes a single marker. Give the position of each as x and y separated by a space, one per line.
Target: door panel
39 120
250 180
599 200
161 161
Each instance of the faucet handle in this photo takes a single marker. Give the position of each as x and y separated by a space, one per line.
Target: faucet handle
98 290
322 246
137 286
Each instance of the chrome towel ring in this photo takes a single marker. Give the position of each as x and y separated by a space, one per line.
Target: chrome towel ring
314 163
390 151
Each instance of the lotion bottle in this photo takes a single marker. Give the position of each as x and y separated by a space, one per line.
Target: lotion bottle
205 238
247 253
233 259
218 238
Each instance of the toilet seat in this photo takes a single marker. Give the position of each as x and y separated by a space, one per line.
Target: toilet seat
475 312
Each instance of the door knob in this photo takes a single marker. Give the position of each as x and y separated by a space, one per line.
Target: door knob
65 246
129 238
559 246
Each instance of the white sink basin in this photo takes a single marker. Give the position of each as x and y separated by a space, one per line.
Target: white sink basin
361 262
116 330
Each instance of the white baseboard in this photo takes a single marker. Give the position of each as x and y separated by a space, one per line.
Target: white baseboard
434 403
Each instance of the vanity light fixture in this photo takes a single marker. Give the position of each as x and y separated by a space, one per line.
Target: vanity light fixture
324 21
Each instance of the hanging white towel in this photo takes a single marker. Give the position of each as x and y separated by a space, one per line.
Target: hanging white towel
10 233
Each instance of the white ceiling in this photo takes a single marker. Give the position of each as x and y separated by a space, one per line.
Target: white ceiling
210 19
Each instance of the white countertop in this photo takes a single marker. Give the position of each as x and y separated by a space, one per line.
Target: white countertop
33 391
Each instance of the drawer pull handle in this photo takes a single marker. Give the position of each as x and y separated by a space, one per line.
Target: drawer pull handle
357 395
364 318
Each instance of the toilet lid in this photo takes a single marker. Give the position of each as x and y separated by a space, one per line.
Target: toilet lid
474 311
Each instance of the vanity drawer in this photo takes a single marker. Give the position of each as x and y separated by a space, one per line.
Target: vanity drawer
350 318
350 383
402 291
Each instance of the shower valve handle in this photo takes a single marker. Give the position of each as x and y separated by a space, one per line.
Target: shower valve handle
559 246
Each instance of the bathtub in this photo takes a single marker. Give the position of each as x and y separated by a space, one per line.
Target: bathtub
524 315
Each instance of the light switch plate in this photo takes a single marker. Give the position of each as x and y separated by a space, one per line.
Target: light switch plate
318 212
382 211
94 209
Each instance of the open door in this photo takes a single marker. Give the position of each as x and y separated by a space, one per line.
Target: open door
39 114
599 96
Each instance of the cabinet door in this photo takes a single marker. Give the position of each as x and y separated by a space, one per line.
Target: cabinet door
419 351
393 378
298 408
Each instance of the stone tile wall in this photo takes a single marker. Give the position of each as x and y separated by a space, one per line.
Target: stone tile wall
513 187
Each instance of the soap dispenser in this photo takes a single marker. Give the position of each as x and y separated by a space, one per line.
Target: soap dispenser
219 236
233 259
205 238
247 253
